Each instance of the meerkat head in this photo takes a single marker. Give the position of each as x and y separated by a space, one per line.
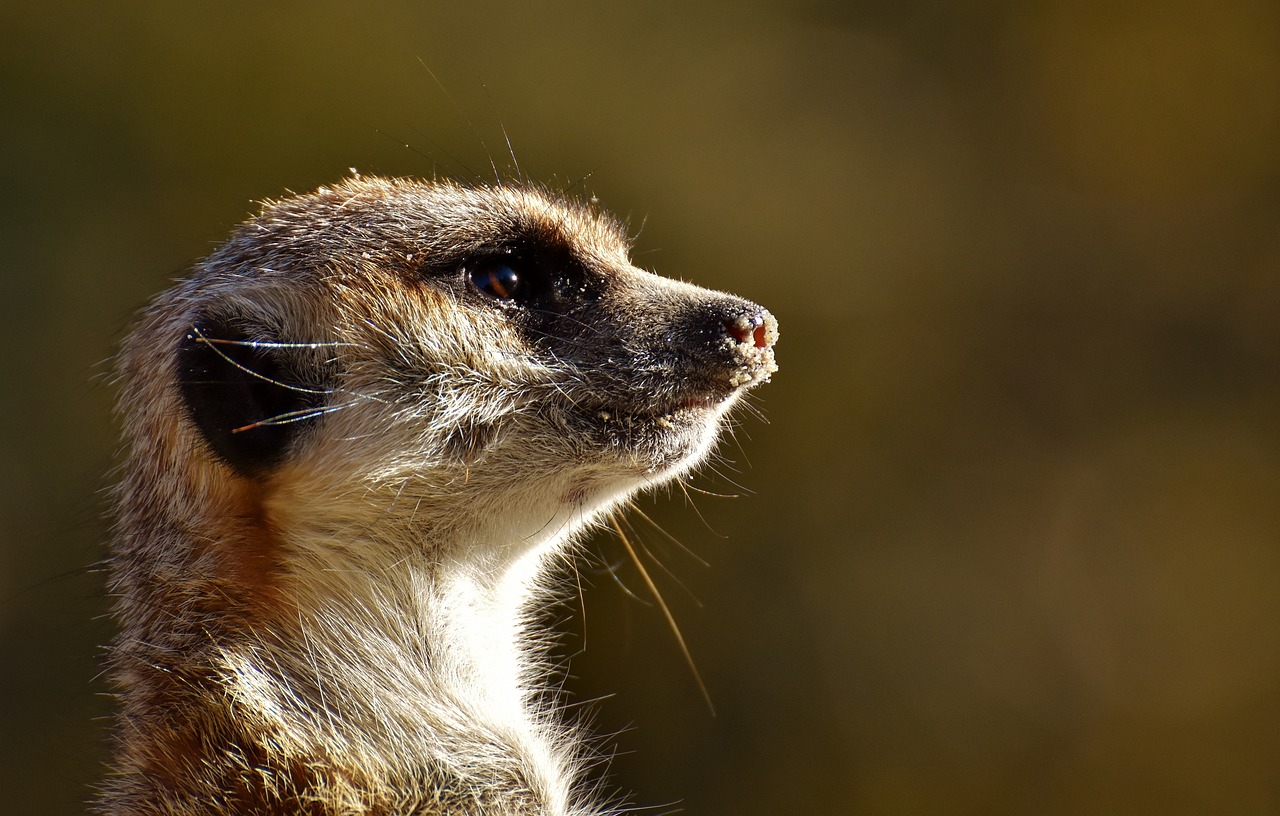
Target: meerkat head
386 353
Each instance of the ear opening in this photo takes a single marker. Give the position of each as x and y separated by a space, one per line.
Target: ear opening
243 394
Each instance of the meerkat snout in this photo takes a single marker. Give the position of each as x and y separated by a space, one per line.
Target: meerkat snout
358 436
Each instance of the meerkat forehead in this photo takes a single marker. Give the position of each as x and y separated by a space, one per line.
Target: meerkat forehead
393 223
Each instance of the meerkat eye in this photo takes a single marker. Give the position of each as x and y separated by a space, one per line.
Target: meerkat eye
500 280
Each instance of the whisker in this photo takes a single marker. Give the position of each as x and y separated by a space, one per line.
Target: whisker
645 548
636 509
474 132
210 342
269 344
666 613
685 487
293 416
511 151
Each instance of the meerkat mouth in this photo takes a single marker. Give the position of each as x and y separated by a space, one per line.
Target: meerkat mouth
660 434
691 407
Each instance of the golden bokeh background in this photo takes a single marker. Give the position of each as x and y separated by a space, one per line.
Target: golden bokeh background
1009 542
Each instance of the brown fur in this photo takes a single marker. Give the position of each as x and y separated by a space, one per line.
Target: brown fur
332 620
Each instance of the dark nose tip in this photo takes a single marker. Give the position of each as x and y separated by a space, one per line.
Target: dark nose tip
754 326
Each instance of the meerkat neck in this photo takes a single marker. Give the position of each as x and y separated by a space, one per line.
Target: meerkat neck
458 629
368 663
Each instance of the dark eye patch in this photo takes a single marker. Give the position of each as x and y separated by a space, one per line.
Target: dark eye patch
542 280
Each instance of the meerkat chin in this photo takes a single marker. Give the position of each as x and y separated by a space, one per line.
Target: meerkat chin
357 437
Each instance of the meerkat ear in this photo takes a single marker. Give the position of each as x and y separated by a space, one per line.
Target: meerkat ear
242 394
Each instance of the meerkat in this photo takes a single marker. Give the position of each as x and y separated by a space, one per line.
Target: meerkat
358 437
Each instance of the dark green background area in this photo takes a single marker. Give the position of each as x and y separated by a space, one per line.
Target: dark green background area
1009 542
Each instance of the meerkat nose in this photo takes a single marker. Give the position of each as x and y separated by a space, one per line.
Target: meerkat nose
757 327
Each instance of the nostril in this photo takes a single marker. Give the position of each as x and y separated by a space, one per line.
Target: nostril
751 328
742 329
760 336
747 359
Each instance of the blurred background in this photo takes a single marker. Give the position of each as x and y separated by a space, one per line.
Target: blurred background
1009 540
